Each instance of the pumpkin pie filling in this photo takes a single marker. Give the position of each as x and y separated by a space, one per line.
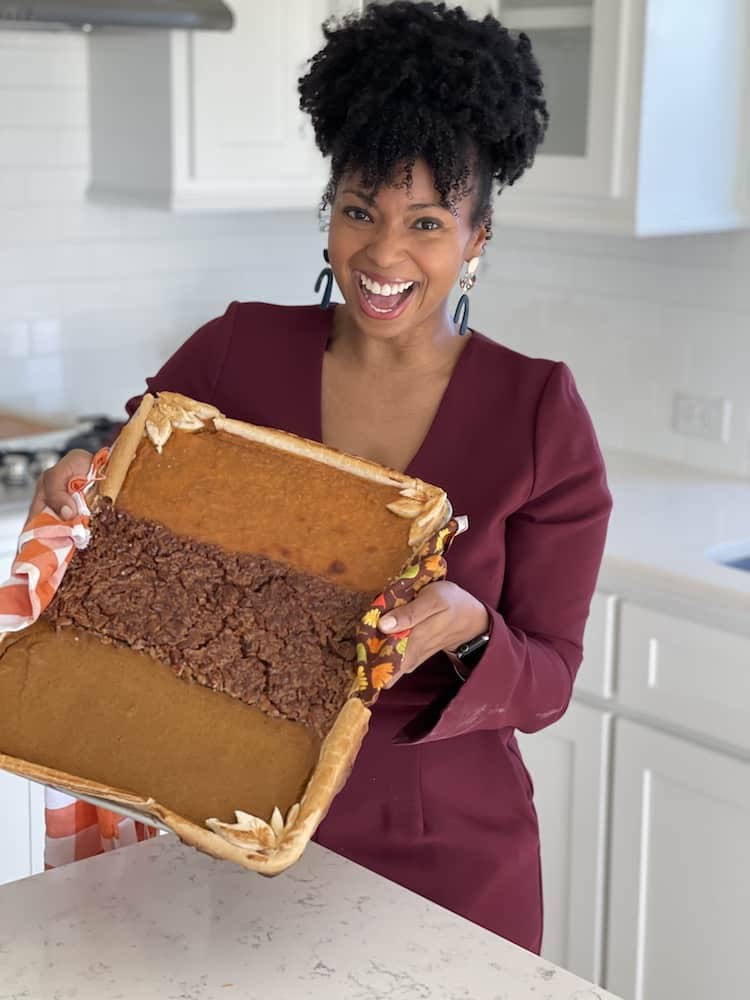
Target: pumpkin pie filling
188 637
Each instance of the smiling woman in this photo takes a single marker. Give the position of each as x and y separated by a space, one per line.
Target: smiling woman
418 98
405 226
423 111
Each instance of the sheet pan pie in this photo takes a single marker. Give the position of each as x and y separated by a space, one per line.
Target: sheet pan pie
197 665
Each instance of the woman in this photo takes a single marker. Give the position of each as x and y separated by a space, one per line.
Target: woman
422 109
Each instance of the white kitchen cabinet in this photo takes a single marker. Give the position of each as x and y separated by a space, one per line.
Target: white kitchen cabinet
643 796
15 823
649 106
21 827
649 103
21 801
208 121
596 674
679 918
687 674
569 765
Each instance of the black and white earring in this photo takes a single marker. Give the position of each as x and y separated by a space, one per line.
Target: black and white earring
466 283
325 275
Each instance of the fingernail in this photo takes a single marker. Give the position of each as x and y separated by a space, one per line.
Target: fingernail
66 512
387 623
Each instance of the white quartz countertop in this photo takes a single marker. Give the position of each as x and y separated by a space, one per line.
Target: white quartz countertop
665 518
160 921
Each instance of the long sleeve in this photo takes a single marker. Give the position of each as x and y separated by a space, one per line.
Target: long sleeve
195 367
554 547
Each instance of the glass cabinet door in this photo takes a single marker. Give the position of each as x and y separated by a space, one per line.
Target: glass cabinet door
577 45
580 47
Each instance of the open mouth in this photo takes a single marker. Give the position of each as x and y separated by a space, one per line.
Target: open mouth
383 301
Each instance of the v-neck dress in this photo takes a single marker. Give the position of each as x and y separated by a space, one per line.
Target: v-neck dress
439 799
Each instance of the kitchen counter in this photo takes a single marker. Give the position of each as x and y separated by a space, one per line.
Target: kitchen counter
161 921
665 518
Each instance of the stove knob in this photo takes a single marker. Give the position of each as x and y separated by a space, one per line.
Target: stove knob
15 468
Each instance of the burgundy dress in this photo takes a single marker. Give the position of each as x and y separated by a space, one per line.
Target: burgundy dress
439 799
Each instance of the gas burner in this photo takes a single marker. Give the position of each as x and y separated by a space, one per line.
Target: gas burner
20 468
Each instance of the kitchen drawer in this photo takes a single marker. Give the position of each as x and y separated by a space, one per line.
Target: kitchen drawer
596 673
694 676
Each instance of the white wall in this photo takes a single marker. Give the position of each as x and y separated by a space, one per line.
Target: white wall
92 298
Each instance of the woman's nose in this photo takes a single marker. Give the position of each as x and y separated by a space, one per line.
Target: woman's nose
385 248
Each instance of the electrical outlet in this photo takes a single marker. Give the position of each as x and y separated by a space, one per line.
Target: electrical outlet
708 417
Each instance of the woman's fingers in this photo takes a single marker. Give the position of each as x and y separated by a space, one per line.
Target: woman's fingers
441 616
424 641
428 602
52 485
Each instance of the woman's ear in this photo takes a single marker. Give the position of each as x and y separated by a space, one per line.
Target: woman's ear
476 244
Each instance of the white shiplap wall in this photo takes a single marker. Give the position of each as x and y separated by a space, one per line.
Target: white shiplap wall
92 298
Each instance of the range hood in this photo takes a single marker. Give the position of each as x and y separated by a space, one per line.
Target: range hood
89 14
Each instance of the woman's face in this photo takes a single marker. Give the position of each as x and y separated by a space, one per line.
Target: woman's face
397 254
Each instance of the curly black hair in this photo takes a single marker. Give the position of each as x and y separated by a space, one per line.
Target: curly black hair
405 80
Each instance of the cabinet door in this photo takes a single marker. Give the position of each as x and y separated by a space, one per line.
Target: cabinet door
37 827
569 765
240 137
689 674
15 842
580 47
679 921
596 674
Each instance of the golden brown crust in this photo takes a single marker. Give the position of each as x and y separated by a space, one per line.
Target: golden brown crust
72 783
173 410
124 449
286 441
279 842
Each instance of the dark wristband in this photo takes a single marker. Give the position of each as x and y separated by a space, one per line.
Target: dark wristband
468 655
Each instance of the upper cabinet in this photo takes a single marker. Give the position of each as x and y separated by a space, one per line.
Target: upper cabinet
649 105
649 113
208 120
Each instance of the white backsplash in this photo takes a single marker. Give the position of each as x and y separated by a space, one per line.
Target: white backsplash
93 298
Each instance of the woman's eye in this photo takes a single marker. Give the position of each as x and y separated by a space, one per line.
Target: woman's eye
427 225
357 214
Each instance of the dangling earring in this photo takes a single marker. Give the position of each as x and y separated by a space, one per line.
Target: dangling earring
326 274
466 283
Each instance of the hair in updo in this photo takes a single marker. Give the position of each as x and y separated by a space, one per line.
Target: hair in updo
405 80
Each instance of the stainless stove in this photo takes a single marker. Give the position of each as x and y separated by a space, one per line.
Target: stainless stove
20 466
21 463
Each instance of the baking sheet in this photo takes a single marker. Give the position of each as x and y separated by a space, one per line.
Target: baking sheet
115 807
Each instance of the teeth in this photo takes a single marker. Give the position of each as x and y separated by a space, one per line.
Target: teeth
377 289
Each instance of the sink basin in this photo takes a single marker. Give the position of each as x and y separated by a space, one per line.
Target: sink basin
736 555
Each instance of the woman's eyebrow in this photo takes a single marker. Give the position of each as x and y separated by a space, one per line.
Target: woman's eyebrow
428 204
371 200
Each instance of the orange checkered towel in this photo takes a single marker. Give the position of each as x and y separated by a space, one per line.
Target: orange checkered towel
74 829
45 548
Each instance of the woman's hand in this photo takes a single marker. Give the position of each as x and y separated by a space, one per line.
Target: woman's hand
441 617
52 485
